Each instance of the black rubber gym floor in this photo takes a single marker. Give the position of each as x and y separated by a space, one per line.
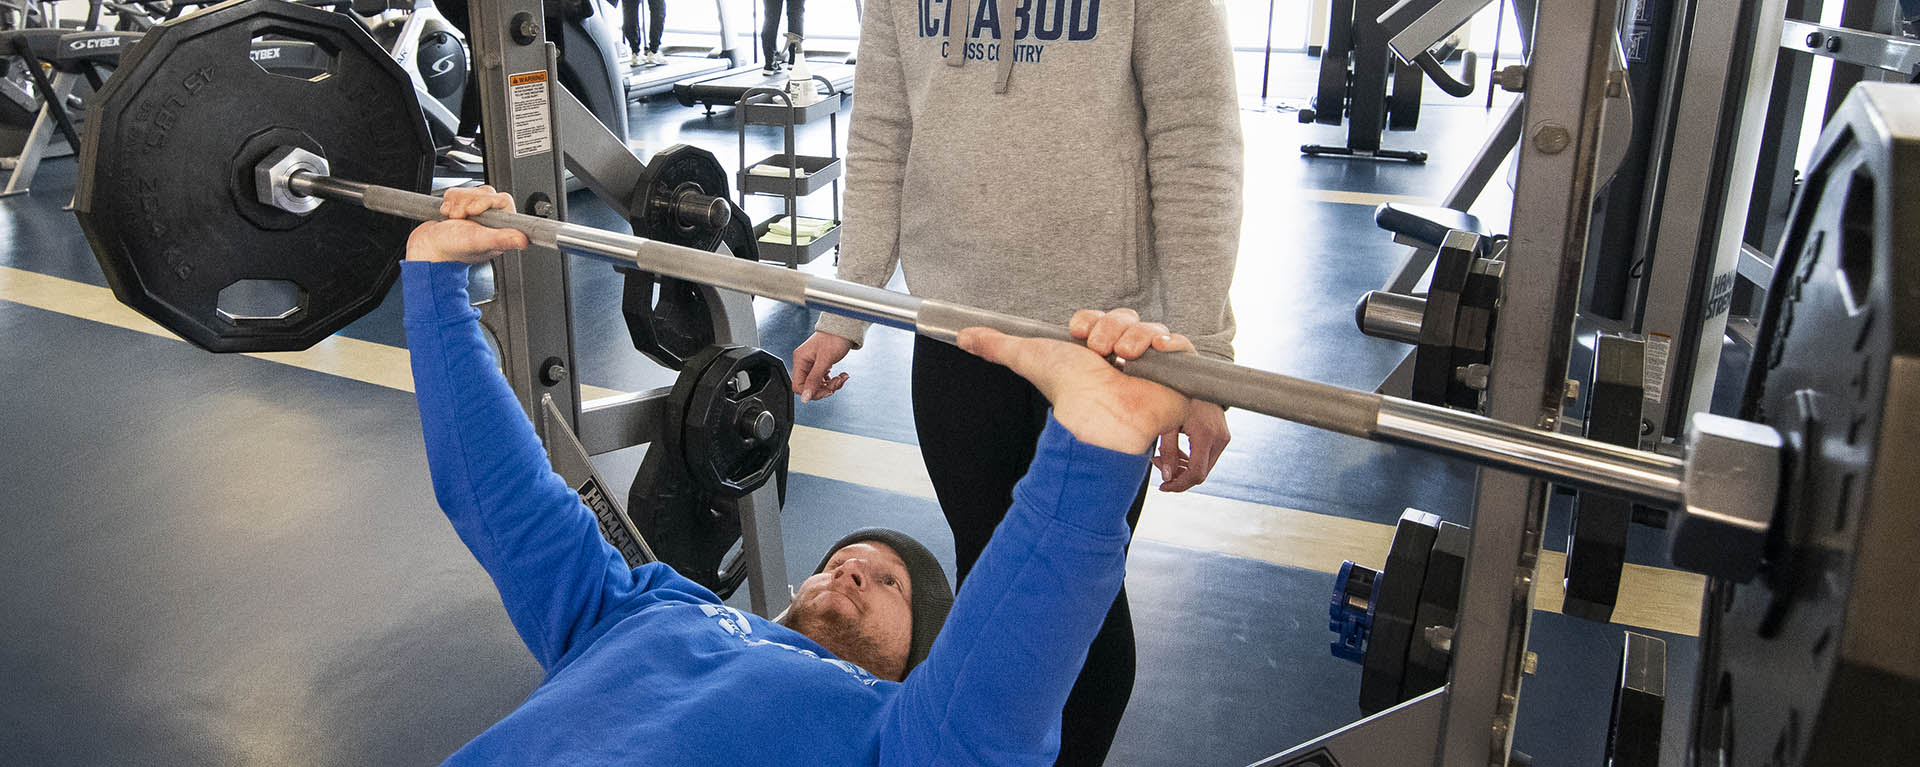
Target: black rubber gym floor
226 560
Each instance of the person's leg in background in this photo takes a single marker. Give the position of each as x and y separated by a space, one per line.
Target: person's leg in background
978 424
630 27
656 24
796 12
770 34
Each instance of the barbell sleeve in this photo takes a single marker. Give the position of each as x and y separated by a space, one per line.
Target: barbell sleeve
1646 477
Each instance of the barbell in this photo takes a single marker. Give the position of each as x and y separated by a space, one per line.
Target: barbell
1649 477
169 140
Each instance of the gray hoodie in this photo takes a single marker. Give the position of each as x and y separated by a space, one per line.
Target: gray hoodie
1082 154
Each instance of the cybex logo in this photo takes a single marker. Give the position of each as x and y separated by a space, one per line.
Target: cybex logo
94 43
445 64
264 54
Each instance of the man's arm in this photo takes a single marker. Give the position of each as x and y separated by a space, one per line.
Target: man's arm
877 143
1184 64
992 689
543 549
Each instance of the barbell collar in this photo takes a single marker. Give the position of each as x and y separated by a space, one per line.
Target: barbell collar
1646 477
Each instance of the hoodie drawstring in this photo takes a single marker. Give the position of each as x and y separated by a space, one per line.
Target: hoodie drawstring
956 42
959 17
1007 22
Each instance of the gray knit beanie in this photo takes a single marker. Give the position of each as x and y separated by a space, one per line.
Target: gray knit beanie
932 595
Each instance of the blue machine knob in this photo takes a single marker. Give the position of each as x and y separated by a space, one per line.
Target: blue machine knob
1350 613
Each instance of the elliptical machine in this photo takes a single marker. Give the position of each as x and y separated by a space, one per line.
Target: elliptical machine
587 33
431 50
588 37
1363 80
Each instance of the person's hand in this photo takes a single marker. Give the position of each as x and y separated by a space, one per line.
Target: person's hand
1207 437
1100 405
457 239
813 365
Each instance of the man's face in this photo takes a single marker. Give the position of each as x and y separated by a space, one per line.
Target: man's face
860 607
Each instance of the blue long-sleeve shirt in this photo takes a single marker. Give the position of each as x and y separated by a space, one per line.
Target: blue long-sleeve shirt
645 666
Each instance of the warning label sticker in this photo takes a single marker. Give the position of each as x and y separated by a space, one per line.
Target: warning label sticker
1654 378
532 123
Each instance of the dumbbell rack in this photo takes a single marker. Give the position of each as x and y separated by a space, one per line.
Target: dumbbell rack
772 106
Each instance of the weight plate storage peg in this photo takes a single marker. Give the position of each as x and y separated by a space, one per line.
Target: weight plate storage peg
167 191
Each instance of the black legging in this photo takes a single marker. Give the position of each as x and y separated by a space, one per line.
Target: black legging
770 26
978 424
630 23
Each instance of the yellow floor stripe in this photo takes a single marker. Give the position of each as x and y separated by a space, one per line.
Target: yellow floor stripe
1651 598
1358 198
352 358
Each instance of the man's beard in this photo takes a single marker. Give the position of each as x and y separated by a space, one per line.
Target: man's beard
846 639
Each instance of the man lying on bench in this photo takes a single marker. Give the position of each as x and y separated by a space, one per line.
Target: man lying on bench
645 667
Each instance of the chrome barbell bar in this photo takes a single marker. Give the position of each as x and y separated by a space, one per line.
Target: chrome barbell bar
1646 477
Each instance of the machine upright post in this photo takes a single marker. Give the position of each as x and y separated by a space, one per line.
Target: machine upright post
517 102
1569 67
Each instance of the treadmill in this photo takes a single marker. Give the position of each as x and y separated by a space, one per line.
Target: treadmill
728 87
644 81
685 61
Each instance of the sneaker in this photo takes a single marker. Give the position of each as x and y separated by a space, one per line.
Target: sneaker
655 58
771 68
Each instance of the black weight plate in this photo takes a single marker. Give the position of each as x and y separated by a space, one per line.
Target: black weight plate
739 237
1639 703
165 190
1814 661
1427 665
668 320
671 320
1433 363
1597 530
711 433
680 522
1383 672
1473 323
